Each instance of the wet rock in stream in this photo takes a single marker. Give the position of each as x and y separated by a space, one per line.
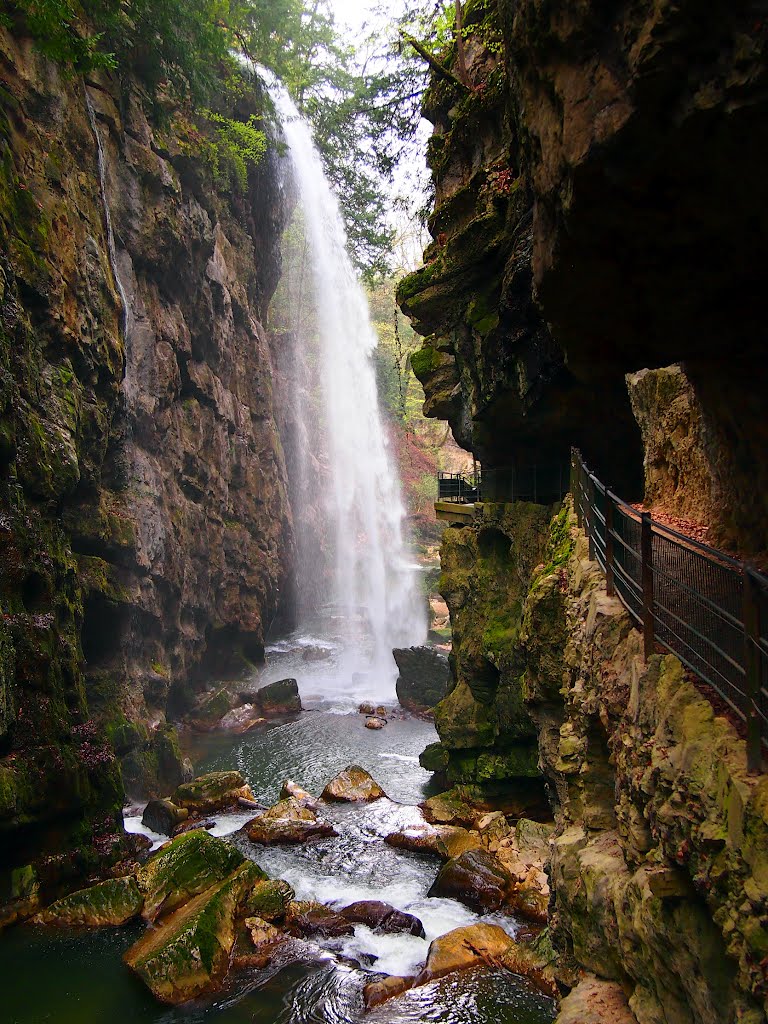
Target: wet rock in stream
353 785
110 903
308 917
382 917
163 816
287 822
212 792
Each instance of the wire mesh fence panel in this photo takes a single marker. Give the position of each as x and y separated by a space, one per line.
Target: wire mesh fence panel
626 564
707 608
697 608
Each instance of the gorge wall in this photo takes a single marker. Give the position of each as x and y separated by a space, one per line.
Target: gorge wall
590 284
146 531
582 232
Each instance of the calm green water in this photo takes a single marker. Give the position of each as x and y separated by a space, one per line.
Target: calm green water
78 978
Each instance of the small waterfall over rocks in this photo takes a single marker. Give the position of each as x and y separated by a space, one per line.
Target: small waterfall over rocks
374 600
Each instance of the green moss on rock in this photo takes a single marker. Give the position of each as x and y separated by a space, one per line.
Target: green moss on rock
113 903
211 792
188 953
188 865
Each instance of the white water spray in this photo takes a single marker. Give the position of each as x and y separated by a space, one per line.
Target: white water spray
375 588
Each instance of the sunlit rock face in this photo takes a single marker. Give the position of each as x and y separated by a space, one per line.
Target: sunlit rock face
145 533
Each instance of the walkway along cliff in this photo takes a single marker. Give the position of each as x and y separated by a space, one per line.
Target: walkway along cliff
581 246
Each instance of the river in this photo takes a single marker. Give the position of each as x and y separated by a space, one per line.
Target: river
70 977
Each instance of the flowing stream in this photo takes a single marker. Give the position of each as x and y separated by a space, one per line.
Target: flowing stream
308 983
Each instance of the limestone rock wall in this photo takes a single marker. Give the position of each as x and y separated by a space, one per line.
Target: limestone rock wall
145 533
658 866
487 736
599 210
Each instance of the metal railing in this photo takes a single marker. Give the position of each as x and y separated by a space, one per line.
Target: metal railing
540 484
708 609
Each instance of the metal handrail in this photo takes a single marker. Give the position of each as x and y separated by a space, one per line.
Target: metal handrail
704 606
538 483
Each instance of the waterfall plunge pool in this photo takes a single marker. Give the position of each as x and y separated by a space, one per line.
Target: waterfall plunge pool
72 977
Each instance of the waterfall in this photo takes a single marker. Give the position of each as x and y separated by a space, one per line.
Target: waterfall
375 599
111 251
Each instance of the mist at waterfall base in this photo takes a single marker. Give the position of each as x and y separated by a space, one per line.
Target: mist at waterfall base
357 592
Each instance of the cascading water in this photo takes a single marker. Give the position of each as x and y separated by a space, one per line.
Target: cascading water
375 596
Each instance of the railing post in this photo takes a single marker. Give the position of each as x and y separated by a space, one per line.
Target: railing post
646 580
590 495
610 585
752 671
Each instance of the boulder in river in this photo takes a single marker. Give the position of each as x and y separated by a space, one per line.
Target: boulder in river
382 917
287 822
163 816
475 878
188 952
377 992
307 917
353 785
212 792
375 723
464 947
114 902
279 698
240 720
450 808
445 841
269 899
301 796
366 708
186 866
423 679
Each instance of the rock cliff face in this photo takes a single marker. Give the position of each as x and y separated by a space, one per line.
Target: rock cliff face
659 859
581 234
487 736
146 534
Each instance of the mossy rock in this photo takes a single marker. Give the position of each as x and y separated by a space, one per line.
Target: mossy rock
185 867
434 758
463 722
114 902
279 698
211 792
188 953
268 899
214 707
449 809
287 822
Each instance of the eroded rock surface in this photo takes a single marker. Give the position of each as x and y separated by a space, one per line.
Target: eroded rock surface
288 821
423 678
353 785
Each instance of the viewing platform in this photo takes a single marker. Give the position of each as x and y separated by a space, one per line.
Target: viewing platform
457 494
